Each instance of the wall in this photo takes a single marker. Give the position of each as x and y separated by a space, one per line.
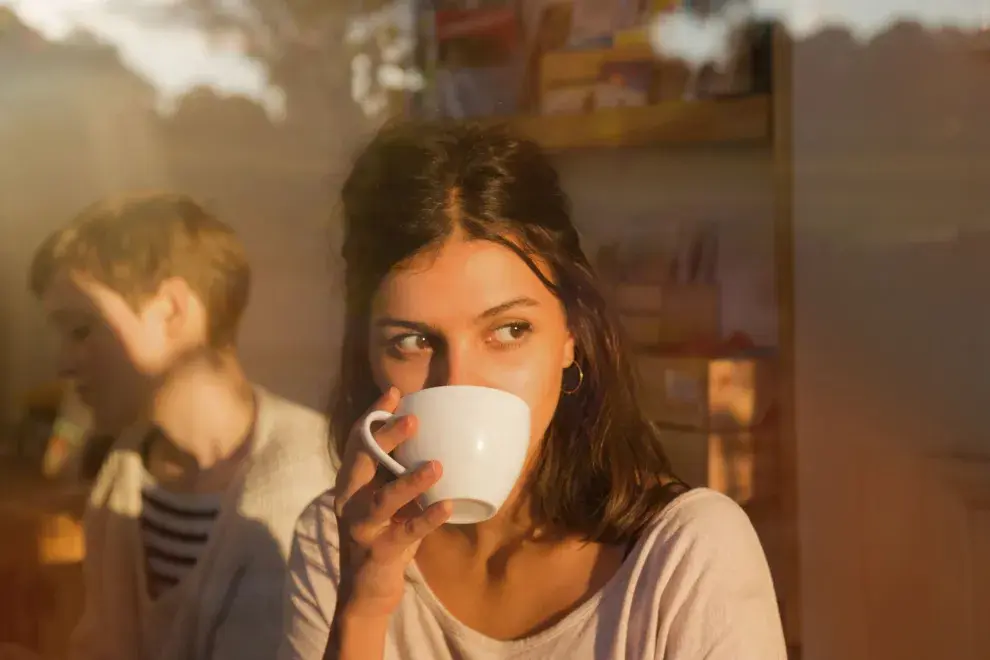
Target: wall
892 260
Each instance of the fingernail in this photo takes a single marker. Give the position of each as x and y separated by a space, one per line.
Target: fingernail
393 392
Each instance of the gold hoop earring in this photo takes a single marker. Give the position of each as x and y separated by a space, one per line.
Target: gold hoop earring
579 382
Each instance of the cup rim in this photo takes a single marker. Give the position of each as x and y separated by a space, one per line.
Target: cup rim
488 390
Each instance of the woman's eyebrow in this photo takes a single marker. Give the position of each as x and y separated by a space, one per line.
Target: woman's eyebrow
506 306
391 322
426 328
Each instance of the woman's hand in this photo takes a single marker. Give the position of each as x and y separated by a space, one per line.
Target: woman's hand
381 525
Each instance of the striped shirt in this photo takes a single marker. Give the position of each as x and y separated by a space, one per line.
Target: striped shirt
174 530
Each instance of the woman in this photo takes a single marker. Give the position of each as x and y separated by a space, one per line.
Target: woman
463 267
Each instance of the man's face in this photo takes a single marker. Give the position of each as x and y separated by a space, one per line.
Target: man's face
102 344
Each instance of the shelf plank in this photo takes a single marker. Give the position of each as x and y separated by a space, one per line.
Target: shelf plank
742 120
728 121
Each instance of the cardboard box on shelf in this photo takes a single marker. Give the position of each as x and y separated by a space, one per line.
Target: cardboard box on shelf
639 298
707 393
657 314
624 84
691 311
571 100
742 464
575 68
633 37
673 79
642 330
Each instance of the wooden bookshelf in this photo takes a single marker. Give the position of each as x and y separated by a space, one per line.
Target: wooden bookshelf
725 121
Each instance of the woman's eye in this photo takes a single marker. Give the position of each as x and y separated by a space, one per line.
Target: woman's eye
411 343
511 333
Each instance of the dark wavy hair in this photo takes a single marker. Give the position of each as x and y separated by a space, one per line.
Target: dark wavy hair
599 469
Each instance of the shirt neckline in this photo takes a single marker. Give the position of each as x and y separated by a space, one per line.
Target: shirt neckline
454 627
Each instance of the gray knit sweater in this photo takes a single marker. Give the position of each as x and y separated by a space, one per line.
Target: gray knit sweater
229 606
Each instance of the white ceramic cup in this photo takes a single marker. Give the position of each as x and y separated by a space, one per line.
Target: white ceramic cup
479 435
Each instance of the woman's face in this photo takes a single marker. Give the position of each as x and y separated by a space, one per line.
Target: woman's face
471 313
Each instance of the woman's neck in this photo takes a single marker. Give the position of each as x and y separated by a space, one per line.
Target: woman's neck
511 531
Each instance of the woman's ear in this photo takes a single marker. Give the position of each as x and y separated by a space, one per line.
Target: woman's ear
568 354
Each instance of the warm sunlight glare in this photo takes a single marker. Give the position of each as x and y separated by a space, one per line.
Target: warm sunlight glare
174 58
699 41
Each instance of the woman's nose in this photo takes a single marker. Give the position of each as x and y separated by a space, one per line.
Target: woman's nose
455 366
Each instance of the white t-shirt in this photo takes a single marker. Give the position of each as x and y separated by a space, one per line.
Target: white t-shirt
696 586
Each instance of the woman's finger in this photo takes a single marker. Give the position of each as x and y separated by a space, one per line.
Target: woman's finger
364 465
358 467
394 432
398 536
390 499
387 402
369 512
410 510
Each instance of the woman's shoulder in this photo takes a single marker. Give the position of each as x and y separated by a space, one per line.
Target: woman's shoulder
701 564
706 525
700 506
702 552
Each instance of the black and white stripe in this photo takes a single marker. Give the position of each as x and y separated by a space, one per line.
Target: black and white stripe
174 530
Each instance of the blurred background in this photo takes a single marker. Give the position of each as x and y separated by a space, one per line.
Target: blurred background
789 203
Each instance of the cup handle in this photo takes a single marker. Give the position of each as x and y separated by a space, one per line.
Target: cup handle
372 445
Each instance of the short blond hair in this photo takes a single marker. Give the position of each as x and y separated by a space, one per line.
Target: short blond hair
132 244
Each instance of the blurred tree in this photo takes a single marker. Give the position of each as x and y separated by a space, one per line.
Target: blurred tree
326 55
202 108
13 32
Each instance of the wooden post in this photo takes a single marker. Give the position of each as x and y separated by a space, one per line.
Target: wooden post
789 588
